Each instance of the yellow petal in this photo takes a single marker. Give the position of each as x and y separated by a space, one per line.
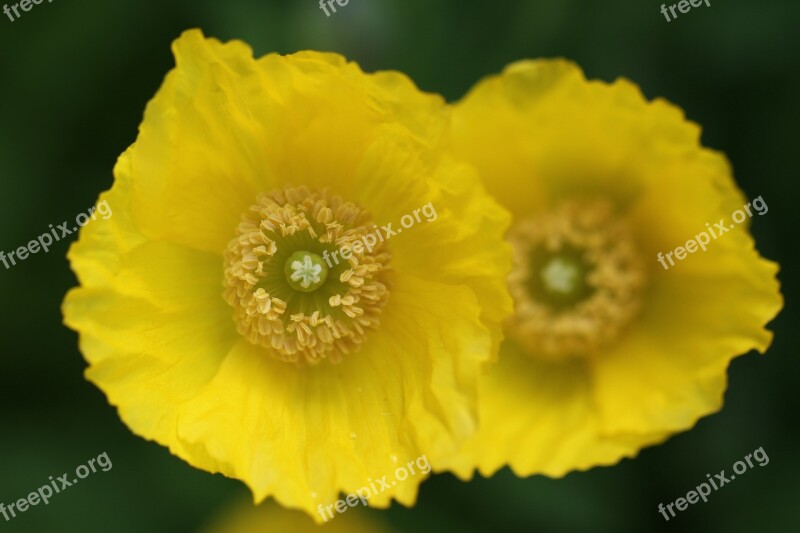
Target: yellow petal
157 335
540 417
307 434
672 367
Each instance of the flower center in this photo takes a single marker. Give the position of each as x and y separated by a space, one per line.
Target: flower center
305 271
577 280
290 292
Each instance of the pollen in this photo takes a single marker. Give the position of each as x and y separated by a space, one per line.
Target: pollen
286 293
577 280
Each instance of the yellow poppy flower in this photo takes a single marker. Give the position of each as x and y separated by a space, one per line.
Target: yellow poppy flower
607 351
245 518
215 314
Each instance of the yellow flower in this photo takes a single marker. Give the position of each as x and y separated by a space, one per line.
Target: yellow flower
210 311
246 518
607 351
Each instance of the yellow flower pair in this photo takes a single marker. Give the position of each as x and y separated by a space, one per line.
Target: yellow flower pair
210 320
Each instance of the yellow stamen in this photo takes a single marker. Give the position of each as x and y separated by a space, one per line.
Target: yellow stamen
285 296
577 280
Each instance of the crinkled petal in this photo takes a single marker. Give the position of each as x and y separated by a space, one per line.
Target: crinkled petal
307 434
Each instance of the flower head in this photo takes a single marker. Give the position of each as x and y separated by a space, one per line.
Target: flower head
607 351
253 306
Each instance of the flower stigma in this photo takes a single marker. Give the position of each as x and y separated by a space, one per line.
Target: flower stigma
306 271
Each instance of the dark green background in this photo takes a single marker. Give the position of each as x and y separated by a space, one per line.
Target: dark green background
74 80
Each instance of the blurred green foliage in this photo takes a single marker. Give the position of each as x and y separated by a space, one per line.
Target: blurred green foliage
74 80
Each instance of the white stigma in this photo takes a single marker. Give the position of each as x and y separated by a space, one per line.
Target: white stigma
560 275
306 271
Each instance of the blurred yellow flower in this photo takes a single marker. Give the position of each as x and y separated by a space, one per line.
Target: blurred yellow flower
245 518
607 351
208 316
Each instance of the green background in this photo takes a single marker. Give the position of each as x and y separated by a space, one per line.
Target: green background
74 79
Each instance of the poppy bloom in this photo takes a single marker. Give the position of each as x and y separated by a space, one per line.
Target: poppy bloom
607 351
298 288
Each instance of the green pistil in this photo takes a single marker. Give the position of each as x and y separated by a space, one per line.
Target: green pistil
305 271
559 279
562 276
